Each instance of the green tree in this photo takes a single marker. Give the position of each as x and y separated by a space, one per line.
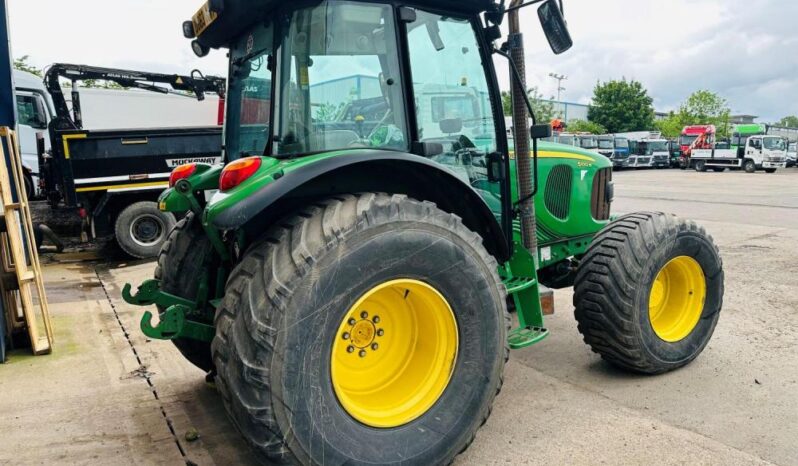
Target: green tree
621 106
789 121
22 64
544 109
701 108
582 126
671 126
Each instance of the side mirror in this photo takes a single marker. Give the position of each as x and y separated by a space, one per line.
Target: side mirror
540 131
553 23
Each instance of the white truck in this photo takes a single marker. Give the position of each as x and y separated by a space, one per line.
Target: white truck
750 153
649 153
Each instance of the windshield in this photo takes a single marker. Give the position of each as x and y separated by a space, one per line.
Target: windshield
568 140
249 94
340 82
657 146
773 143
621 143
687 139
588 143
605 144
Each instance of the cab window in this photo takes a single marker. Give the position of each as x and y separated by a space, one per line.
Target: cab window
30 111
340 81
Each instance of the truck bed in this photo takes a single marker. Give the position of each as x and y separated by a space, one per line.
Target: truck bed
120 159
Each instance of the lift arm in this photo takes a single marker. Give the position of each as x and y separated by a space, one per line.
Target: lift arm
196 83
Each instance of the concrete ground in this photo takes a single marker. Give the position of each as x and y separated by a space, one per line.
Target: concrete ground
108 395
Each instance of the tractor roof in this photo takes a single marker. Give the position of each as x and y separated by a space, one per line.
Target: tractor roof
238 15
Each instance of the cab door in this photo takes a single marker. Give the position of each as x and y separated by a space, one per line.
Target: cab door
453 100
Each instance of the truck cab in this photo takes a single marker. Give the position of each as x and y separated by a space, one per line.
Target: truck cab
620 154
34 113
606 145
588 142
649 153
568 139
767 152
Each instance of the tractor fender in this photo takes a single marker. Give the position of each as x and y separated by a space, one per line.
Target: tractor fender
367 171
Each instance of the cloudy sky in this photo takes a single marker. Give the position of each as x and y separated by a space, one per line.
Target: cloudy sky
745 50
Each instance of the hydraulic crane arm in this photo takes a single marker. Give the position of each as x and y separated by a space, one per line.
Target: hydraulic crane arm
196 83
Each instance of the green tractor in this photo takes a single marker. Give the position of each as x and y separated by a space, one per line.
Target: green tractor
346 278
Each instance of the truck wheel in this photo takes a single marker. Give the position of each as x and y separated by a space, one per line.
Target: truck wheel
186 252
366 329
30 193
649 291
770 170
700 166
141 229
749 166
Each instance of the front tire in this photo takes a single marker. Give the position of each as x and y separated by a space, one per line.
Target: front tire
749 166
649 291
305 294
141 229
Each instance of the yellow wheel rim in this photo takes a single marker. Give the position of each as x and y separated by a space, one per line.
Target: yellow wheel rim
394 353
677 299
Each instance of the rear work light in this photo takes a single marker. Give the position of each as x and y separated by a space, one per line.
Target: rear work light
181 172
237 172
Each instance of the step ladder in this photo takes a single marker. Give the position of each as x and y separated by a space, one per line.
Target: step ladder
18 254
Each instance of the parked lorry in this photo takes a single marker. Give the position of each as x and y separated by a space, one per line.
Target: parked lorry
606 145
648 153
620 154
349 296
751 150
695 137
112 178
588 142
34 112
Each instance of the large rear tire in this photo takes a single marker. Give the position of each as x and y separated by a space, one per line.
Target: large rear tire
649 291
185 254
309 322
141 229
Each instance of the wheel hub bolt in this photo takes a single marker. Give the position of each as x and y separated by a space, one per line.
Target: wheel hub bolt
376 319
350 349
345 335
380 332
374 346
364 315
352 321
362 353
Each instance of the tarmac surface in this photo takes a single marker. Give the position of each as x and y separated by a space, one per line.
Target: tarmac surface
108 395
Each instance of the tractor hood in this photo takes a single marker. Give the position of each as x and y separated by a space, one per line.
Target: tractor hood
219 22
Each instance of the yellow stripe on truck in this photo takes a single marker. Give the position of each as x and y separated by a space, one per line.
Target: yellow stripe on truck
122 186
66 139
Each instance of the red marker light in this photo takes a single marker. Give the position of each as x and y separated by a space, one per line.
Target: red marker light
181 172
237 172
